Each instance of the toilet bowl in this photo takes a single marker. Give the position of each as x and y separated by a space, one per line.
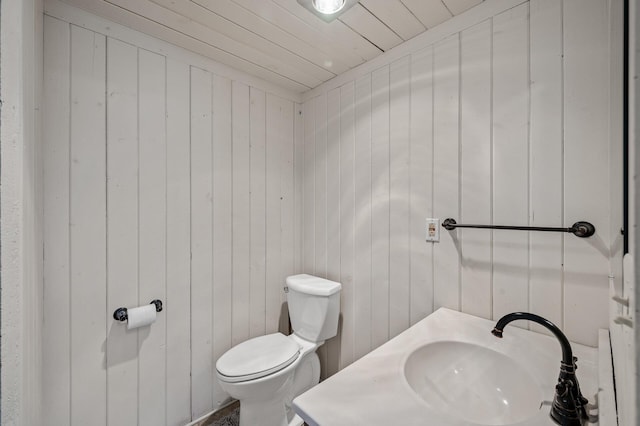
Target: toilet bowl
265 373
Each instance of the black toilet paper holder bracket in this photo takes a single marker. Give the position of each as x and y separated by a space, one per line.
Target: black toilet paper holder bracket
121 314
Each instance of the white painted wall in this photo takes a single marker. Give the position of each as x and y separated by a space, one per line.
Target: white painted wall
20 212
167 176
500 115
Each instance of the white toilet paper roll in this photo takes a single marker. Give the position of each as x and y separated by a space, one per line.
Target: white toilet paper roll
141 316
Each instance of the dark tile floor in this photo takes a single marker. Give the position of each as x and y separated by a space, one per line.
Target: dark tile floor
228 416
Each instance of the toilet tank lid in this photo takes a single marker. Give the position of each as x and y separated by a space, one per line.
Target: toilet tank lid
315 286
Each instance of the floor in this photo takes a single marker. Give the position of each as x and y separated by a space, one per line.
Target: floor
228 416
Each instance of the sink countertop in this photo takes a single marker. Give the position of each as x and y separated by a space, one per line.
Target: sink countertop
374 391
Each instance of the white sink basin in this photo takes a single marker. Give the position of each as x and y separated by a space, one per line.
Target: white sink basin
472 383
449 370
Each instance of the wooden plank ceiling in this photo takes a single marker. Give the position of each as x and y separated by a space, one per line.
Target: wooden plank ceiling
279 40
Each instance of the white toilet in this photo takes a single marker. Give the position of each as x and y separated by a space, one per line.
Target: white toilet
265 373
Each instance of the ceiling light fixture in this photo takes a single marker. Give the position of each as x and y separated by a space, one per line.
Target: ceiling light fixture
327 10
328 7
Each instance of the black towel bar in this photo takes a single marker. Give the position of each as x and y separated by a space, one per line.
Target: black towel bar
579 229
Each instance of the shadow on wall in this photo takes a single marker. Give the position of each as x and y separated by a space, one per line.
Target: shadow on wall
284 322
329 353
121 353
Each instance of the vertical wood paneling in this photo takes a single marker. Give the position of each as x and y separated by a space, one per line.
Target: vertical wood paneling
483 143
347 219
163 181
399 189
152 233
446 121
299 187
333 215
202 364
510 165
476 137
257 309
274 284
222 225
309 186
178 303
241 169
545 162
475 151
320 170
586 103
286 132
380 205
486 107
88 228
421 183
362 243
56 336
122 222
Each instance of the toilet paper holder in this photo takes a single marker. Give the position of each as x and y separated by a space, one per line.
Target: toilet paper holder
120 314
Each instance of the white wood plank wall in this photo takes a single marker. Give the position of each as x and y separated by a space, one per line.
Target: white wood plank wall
505 122
162 180
165 179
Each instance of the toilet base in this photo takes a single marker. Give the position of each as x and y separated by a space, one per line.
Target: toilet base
254 413
276 410
267 401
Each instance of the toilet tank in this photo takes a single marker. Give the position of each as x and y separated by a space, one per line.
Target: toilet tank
314 306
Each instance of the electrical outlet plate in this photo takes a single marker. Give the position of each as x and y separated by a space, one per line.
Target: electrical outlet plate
433 230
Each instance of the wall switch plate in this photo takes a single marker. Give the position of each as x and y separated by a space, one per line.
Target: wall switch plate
433 230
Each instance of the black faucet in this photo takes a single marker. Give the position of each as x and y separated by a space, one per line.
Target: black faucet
568 407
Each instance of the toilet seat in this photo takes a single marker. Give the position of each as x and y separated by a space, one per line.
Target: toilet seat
257 357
